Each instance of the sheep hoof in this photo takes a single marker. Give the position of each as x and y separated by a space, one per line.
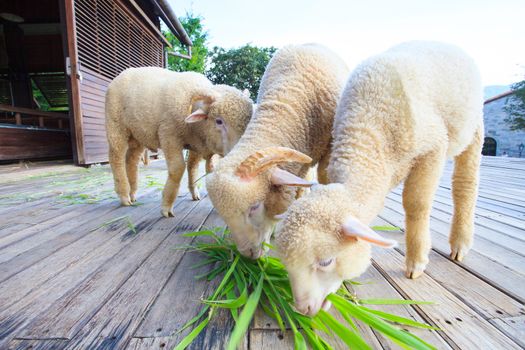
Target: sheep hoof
458 251
167 212
125 201
196 196
414 270
133 197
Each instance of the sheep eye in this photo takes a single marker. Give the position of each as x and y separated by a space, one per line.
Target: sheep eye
253 208
326 262
219 121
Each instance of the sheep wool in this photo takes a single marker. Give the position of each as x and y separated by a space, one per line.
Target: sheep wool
295 109
401 114
146 108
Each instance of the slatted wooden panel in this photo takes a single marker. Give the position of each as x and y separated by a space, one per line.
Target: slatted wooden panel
110 39
28 143
92 94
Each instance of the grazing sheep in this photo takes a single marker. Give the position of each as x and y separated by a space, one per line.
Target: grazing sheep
295 109
402 113
154 108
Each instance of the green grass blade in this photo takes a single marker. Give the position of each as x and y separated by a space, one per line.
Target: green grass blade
399 319
351 339
298 341
229 303
378 324
245 317
386 228
198 233
192 335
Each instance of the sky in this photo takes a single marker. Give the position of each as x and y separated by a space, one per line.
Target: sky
492 32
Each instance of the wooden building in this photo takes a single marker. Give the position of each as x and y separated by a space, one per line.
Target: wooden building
57 58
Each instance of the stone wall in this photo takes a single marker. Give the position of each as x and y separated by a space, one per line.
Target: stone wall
495 126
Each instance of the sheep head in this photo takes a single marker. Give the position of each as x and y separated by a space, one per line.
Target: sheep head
322 244
246 196
223 112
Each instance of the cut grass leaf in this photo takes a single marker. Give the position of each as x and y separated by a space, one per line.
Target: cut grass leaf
187 340
247 284
386 228
245 318
229 303
399 319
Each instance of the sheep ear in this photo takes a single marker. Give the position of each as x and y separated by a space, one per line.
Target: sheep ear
283 177
246 93
200 105
356 229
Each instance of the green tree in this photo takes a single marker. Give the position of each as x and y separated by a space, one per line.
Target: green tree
515 107
193 26
241 67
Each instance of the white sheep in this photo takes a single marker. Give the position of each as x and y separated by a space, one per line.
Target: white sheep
295 110
155 108
402 113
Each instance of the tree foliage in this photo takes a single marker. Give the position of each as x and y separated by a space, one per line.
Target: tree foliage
193 26
241 67
515 107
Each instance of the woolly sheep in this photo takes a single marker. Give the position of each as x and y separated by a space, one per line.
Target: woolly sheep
295 109
402 113
155 108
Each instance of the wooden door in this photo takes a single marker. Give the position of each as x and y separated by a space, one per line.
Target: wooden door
107 37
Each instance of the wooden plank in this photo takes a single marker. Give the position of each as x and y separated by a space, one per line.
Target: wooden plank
375 286
503 235
16 244
479 295
15 317
179 300
487 269
117 319
25 143
505 257
513 327
94 236
463 327
270 339
30 111
13 227
40 344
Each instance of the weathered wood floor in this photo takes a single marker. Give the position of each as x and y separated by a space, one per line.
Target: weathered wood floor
79 272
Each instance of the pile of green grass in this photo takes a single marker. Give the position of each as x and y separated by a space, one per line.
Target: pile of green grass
247 284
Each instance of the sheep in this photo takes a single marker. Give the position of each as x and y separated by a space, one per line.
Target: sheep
401 114
155 108
295 109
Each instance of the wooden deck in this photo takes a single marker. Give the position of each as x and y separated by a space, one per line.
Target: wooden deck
74 277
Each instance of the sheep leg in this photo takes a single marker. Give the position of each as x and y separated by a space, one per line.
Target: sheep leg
464 192
193 174
118 146
133 155
418 194
176 166
209 164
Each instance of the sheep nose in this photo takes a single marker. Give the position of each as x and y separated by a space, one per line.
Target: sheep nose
255 253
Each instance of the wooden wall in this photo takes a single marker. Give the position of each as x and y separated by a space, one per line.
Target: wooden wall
31 143
109 39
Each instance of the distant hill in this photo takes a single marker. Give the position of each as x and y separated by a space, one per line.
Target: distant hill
493 90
